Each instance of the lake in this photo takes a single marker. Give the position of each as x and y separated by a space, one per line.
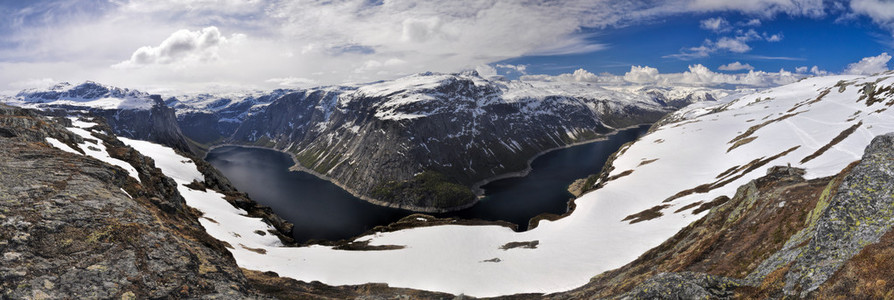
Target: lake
321 210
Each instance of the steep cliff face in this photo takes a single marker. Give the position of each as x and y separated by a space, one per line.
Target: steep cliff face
74 225
130 113
388 141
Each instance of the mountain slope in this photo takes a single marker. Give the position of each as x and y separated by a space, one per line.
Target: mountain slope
130 113
420 142
654 188
95 219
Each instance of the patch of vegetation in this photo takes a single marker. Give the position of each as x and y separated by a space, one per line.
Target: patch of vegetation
524 245
646 162
428 188
646 215
741 142
841 136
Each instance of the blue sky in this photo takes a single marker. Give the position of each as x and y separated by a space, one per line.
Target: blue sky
826 42
215 45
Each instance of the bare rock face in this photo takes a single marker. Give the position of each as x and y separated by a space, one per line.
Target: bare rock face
74 227
779 236
425 148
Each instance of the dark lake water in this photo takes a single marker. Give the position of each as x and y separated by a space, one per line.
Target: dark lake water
322 210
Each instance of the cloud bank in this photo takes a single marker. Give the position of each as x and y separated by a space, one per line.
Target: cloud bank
188 44
869 65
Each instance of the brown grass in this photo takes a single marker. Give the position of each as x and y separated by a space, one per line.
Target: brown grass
646 215
751 166
868 275
755 128
841 136
524 245
646 162
741 142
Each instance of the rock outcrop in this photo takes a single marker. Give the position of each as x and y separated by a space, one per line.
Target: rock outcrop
779 236
387 142
75 227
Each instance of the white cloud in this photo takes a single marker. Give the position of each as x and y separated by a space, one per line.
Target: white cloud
715 24
736 44
335 41
815 70
869 65
753 23
518 68
641 74
813 8
697 75
486 71
880 11
735 66
293 81
773 38
733 45
183 45
33 83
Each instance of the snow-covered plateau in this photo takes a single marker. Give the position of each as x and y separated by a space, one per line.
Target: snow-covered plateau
697 154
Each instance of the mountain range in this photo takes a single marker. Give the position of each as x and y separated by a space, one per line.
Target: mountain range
784 192
425 142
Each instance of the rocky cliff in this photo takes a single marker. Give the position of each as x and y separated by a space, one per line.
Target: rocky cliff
75 226
423 141
129 113
779 236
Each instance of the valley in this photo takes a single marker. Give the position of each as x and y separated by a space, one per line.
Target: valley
323 211
704 155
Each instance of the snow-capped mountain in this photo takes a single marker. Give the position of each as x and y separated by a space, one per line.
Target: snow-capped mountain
653 189
88 94
130 113
376 139
382 141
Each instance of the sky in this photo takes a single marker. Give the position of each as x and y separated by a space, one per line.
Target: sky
226 45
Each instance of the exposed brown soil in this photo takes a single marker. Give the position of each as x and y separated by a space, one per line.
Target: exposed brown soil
755 128
730 241
841 136
646 215
271 284
646 162
868 275
741 142
524 245
751 166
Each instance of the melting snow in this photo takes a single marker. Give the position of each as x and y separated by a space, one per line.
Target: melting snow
593 239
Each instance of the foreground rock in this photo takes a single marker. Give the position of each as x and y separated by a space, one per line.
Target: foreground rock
779 236
74 227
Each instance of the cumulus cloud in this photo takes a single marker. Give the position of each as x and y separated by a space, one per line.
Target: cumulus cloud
736 66
813 8
815 70
518 68
715 24
641 74
696 75
341 41
293 81
183 45
737 43
752 22
869 65
880 11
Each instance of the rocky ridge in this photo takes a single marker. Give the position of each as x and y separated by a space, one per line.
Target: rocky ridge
74 226
423 141
779 236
